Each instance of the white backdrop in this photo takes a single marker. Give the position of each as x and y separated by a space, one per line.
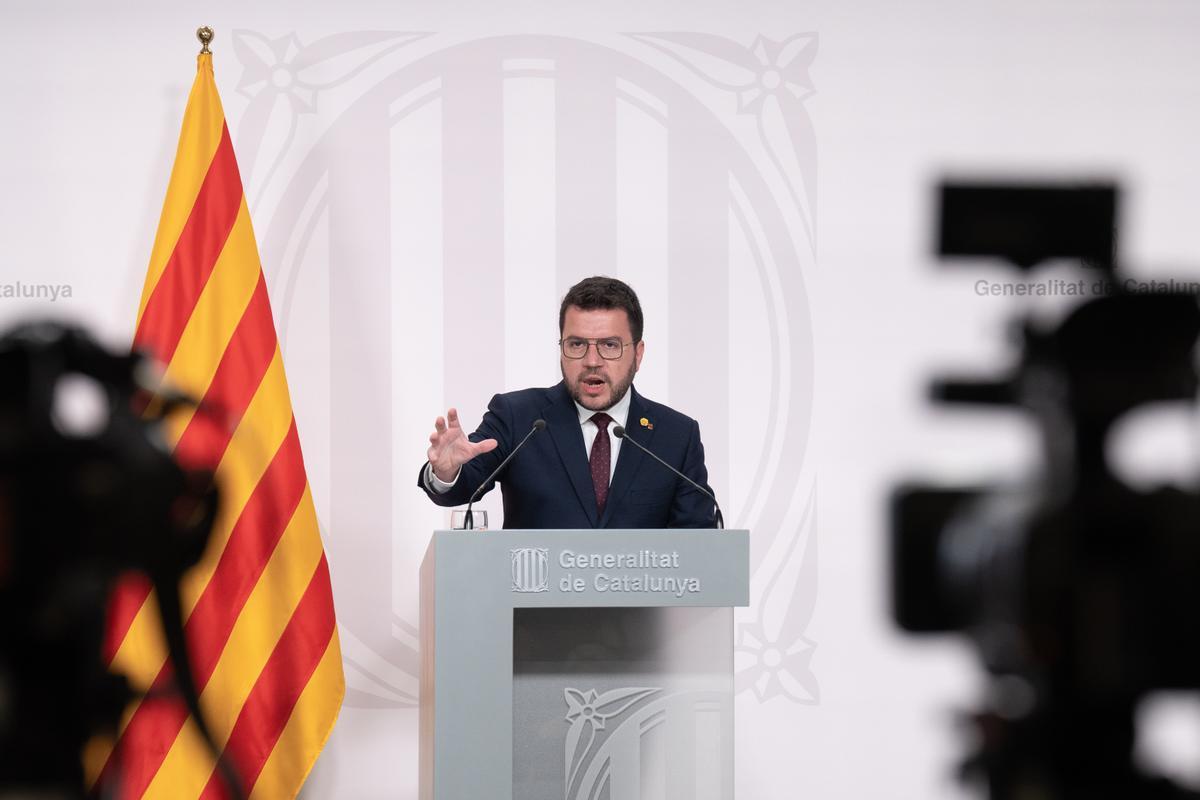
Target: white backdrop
425 180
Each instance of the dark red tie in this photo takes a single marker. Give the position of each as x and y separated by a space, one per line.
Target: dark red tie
600 459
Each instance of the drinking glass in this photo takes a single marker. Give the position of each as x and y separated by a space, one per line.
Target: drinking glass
479 520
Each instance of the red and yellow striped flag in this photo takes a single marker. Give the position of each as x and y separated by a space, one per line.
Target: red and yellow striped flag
258 608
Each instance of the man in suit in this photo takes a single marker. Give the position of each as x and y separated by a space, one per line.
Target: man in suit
575 474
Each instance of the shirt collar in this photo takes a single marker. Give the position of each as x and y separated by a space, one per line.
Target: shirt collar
619 412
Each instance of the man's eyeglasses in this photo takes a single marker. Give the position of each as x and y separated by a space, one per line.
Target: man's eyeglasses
610 349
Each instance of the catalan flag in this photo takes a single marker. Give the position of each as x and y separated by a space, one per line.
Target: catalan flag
258 608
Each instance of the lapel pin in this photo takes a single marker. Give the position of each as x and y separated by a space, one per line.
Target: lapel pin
646 424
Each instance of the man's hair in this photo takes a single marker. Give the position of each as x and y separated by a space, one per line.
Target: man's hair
600 292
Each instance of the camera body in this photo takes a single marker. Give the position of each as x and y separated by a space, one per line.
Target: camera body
1075 588
78 509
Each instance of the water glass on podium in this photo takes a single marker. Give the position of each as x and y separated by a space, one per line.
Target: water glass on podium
479 520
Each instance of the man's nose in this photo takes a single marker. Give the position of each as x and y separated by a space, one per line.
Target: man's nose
592 357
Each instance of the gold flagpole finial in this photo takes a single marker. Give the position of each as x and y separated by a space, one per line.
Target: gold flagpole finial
205 35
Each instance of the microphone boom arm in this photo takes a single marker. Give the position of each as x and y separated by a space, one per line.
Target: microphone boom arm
468 517
620 432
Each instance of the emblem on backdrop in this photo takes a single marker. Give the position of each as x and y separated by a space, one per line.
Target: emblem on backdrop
322 115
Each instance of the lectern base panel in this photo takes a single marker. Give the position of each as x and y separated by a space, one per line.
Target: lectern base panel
622 703
590 665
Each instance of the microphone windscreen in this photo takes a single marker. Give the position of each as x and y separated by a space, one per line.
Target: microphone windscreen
619 431
539 424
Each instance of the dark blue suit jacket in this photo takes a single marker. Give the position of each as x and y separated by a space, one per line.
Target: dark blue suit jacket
548 484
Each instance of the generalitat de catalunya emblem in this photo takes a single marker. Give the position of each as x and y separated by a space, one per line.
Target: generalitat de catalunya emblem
530 569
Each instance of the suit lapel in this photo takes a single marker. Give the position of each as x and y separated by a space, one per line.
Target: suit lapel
630 458
562 420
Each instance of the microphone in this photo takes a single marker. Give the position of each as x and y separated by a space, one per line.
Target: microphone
619 432
468 517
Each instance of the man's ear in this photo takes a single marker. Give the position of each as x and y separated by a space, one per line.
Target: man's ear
638 350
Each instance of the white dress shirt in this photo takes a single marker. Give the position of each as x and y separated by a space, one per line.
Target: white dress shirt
619 414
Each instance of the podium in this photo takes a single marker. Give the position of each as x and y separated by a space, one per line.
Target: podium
590 664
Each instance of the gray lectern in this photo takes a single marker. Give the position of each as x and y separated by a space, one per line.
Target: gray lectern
579 665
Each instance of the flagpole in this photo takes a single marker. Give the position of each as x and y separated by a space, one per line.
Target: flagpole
205 35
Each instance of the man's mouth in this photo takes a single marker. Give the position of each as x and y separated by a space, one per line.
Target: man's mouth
592 384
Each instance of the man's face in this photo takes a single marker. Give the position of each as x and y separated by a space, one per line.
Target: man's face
595 383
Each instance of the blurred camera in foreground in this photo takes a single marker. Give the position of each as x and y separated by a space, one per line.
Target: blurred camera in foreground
1076 589
89 491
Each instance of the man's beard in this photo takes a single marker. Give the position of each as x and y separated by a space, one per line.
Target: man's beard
618 389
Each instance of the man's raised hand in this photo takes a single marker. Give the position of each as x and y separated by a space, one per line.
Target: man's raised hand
449 447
